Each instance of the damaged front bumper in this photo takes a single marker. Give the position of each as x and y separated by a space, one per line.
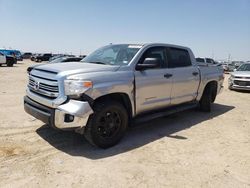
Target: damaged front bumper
70 115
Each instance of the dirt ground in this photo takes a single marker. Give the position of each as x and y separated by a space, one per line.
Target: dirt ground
188 149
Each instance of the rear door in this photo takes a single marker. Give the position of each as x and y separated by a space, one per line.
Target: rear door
153 86
186 76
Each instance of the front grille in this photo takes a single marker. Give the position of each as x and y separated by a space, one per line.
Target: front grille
242 77
241 83
44 86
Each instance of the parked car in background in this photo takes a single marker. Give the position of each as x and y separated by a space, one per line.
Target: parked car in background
205 60
82 56
8 60
228 67
12 53
59 56
43 57
33 57
15 53
119 84
18 54
66 59
26 55
240 78
209 62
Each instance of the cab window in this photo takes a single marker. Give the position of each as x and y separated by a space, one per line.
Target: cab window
178 58
155 52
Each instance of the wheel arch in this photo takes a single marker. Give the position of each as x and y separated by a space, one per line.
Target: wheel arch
213 85
120 97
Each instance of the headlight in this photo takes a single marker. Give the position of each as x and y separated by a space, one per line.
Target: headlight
231 77
75 86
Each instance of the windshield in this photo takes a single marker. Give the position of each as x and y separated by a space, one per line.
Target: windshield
244 67
113 54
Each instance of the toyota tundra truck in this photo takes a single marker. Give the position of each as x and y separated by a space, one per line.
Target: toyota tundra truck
118 85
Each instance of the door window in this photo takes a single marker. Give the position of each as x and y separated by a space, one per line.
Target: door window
155 52
178 58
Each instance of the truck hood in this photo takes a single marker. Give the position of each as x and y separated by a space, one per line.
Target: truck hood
241 73
71 67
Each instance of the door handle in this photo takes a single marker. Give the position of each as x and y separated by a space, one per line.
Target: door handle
195 73
168 75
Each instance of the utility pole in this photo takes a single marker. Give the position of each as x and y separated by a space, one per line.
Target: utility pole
229 58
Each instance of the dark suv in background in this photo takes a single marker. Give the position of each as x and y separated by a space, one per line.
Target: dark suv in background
26 55
43 57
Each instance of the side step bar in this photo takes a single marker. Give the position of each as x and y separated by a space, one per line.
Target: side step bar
165 112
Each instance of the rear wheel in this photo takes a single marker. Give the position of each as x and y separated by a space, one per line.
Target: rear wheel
206 100
107 125
213 94
10 63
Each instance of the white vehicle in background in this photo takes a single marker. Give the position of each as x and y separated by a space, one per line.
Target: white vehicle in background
8 60
240 78
2 59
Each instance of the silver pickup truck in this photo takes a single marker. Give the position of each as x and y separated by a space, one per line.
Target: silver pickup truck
117 85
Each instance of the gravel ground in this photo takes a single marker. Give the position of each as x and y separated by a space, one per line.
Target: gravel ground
187 149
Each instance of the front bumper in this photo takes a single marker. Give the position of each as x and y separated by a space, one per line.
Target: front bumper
236 87
78 111
239 84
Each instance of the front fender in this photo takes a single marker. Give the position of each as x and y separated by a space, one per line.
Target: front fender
114 84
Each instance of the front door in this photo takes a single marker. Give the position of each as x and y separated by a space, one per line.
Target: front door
153 86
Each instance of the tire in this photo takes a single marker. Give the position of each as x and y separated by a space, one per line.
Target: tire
213 98
206 100
214 92
107 125
10 63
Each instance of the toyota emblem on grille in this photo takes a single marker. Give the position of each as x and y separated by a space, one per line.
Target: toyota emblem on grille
36 85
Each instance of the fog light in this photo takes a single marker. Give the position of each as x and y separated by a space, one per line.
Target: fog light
68 118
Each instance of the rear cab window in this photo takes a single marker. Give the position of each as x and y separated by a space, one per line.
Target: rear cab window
178 57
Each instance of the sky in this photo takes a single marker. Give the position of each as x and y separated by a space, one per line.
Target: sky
214 28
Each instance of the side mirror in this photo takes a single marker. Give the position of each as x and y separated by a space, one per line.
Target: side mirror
235 70
148 63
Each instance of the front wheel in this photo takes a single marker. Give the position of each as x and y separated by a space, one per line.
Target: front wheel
107 125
